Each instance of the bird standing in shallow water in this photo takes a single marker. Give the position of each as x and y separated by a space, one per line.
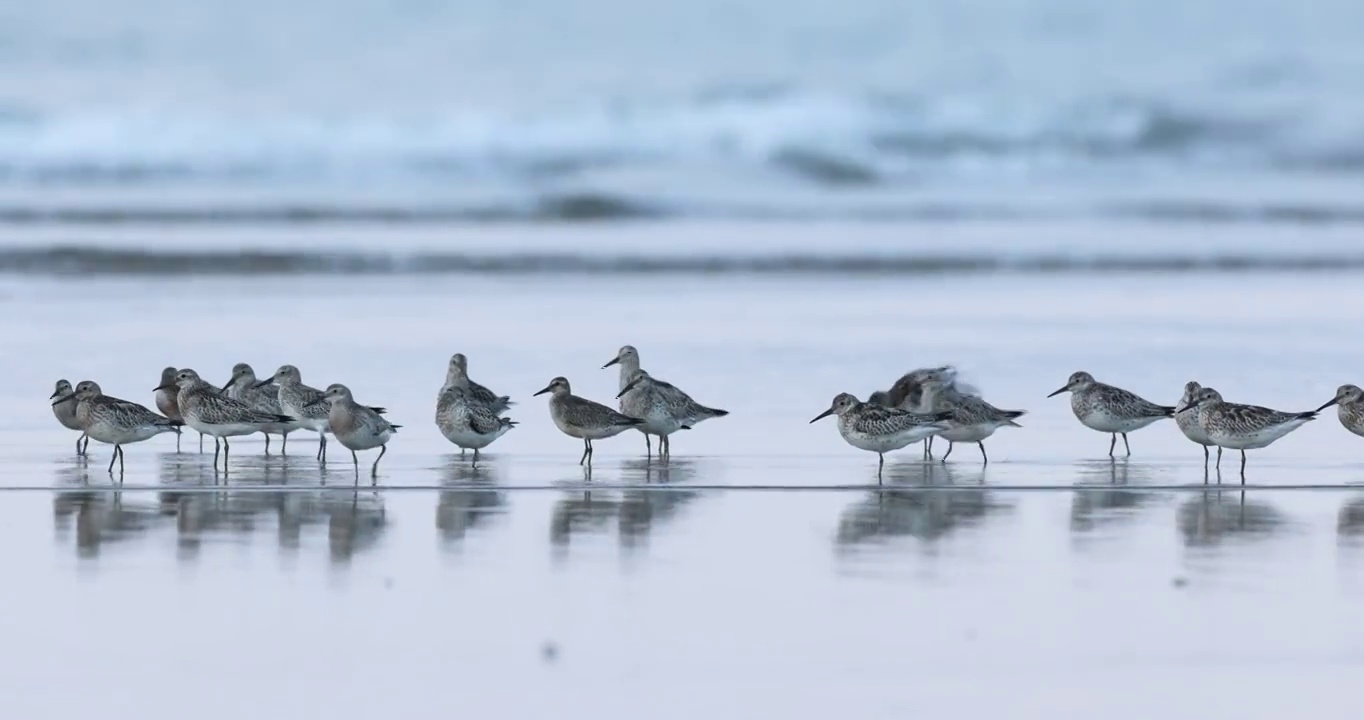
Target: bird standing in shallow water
1242 427
65 411
1188 421
355 426
208 410
971 420
582 418
880 429
116 422
663 407
1110 409
467 417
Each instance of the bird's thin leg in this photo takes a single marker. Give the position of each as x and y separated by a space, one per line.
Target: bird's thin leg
78 444
928 446
1243 467
1206 456
119 448
374 471
1112 444
177 443
475 456
461 452
648 447
1125 445
226 449
880 465
267 441
284 444
201 444
587 447
215 452
590 451
112 458
355 460
950 445
985 458
1219 457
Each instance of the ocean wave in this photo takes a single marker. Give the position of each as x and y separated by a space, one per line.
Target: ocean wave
607 207
77 261
820 139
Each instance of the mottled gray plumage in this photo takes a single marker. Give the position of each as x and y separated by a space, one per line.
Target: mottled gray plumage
245 388
65 412
211 412
1110 409
582 418
909 393
116 422
459 368
881 429
1188 421
1349 402
1242 427
464 418
971 419
356 426
662 406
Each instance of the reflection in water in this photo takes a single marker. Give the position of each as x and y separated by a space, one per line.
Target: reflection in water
102 517
925 513
1092 509
1214 516
459 511
354 518
637 512
1350 523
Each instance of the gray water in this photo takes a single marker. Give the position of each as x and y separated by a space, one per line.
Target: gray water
762 571
465 111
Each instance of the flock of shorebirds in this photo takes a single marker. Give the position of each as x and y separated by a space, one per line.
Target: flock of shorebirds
468 414
921 405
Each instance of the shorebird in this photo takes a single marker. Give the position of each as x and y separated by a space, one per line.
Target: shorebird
459 368
168 406
115 422
65 411
296 400
971 419
1188 421
206 409
907 393
881 429
1243 427
1349 402
243 387
663 407
463 417
582 418
1110 409
355 426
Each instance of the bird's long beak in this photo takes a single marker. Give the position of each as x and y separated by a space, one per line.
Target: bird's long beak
824 414
62 399
542 392
167 386
1058 392
55 393
1186 408
614 360
627 388
264 382
231 381
1329 403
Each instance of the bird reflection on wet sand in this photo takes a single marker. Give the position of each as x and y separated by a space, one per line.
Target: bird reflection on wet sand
637 512
1094 509
354 519
919 505
460 511
1212 517
1350 523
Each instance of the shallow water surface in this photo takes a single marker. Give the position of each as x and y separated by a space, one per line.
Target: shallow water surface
761 571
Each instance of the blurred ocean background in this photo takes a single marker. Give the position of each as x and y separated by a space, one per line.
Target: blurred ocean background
1072 118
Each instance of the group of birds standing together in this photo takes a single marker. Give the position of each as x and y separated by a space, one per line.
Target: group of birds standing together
468 414
930 402
921 405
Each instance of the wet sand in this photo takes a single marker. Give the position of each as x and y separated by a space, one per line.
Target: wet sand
760 572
